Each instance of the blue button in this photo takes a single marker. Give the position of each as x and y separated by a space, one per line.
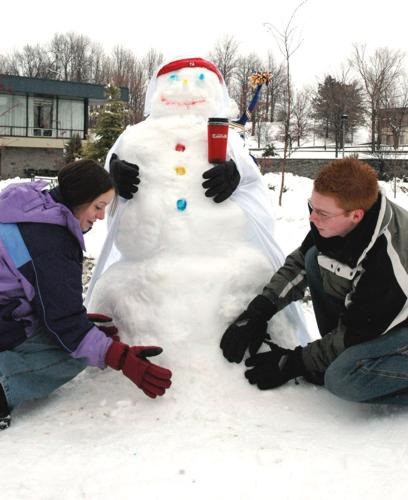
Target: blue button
181 204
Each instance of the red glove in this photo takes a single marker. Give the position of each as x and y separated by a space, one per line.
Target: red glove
151 378
105 324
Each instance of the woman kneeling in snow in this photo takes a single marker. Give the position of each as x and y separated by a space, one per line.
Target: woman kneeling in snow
46 335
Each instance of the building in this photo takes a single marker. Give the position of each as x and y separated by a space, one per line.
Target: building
38 117
394 126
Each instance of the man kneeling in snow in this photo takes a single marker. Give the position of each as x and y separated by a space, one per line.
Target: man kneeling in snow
354 260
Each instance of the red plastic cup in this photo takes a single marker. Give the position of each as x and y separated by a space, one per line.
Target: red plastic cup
217 139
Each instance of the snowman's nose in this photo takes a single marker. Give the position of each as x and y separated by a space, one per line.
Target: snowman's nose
185 81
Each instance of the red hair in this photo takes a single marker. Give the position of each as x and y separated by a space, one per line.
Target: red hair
353 183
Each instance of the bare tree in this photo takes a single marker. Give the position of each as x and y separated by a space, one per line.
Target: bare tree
80 47
275 89
32 61
122 64
61 56
73 57
242 90
378 72
126 70
151 61
301 114
4 65
225 57
98 65
288 44
141 75
137 89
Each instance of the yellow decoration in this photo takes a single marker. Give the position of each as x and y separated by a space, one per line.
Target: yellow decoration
180 170
260 78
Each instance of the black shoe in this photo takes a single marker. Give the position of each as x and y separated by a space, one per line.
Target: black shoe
5 418
5 422
316 378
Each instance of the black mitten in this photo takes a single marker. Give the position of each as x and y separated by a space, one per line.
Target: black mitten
248 331
275 368
125 176
223 180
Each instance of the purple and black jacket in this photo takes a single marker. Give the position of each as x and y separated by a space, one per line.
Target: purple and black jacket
41 247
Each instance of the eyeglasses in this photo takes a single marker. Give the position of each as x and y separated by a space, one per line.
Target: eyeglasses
322 215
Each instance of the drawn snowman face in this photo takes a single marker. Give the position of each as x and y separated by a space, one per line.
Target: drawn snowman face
195 91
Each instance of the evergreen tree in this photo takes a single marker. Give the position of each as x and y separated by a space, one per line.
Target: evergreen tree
333 100
269 151
110 123
73 149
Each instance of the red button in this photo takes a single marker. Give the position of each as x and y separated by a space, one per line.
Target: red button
180 147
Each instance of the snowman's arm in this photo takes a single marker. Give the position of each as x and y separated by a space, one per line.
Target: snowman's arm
119 146
247 168
125 174
113 149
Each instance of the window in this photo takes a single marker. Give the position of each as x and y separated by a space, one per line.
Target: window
12 115
43 117
71 117
5 115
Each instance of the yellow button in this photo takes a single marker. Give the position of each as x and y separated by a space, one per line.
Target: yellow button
180 170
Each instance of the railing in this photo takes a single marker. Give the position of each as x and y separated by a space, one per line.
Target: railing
15 131
52 181
40 172
385 150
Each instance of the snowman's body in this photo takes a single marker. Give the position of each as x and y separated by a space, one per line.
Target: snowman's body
188 266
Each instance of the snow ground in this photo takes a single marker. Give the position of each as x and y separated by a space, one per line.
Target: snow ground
212 436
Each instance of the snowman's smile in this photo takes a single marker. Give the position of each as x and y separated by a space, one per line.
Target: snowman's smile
182 102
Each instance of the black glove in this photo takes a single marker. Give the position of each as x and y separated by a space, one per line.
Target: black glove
248 330
223 180
275 368
125 176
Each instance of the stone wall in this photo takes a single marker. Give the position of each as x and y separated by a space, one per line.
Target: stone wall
309 167
14 161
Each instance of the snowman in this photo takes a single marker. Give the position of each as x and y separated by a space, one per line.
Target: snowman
180 261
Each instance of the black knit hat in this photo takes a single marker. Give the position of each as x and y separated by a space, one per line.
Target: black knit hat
82 181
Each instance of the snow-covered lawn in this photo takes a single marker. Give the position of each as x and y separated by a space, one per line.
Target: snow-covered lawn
212 436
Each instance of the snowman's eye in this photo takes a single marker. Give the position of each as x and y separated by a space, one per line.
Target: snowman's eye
174 77
201 77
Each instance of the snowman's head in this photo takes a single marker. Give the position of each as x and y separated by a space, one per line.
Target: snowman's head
187 86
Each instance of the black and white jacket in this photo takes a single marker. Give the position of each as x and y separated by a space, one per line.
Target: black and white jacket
368 269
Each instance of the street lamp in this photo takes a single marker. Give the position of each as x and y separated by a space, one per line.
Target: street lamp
344 119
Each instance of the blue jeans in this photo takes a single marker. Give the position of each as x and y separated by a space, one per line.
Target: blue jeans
375 371
36 368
